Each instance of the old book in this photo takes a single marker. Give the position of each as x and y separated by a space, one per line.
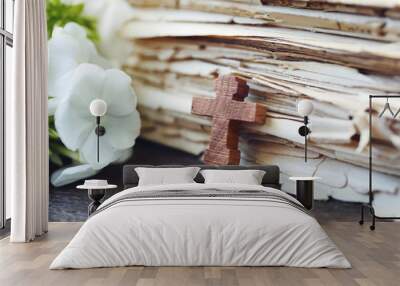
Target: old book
380 28
285 53
389 8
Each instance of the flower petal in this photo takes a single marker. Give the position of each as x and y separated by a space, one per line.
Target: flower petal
69 175
83 50
112 44
118 93
68 48
52 105
108 153
122 131
71 28
72 126
86 85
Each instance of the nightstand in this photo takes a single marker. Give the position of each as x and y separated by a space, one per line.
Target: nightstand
305 190
95 193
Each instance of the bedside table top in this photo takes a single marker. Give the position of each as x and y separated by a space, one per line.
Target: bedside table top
304 178
105 187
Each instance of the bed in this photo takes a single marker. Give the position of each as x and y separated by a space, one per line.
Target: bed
197 224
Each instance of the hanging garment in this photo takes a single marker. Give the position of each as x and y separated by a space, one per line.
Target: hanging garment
397 113
387 107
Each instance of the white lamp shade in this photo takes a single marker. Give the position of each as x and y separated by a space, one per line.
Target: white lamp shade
98 107
305 107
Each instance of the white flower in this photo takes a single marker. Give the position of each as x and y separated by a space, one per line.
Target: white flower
111 16
76 126
65 176
68 48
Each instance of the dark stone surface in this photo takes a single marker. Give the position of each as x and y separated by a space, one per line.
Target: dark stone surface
69 204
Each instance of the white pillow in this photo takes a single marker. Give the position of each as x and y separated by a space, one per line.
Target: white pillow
166 176
248 177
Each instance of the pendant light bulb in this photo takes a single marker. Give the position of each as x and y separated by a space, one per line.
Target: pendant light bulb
305 107
98 107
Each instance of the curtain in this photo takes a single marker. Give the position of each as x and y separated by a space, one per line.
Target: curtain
27 133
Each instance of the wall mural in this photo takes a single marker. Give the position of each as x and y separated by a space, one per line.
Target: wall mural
172 51
83 67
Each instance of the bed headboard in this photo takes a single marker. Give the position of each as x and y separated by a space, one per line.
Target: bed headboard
271 177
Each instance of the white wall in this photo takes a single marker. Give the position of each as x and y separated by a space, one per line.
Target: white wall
7 111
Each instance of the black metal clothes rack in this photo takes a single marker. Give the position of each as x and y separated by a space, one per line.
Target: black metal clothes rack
370 193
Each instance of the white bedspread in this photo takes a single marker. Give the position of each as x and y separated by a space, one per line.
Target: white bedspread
200 231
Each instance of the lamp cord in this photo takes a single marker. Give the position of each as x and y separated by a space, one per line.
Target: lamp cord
98 138
98 147
305 149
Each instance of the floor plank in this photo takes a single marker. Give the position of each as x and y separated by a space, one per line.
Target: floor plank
375 257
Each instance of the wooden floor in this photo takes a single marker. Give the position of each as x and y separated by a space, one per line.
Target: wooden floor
375 257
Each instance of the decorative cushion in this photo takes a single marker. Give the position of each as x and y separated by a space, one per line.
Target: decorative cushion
248 177
163 176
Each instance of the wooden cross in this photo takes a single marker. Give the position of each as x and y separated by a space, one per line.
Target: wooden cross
227 110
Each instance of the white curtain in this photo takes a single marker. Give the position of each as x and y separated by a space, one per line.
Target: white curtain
27 133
